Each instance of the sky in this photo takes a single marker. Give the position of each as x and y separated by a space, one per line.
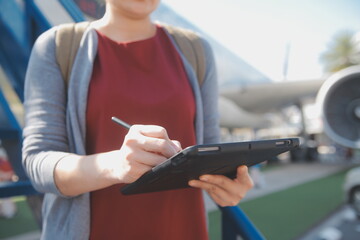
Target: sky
264 32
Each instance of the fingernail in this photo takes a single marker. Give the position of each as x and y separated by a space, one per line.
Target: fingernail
176 145
243 168
204 178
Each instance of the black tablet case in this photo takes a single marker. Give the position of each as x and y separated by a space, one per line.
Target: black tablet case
194 161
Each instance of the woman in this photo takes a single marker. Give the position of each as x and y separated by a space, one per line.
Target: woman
128 67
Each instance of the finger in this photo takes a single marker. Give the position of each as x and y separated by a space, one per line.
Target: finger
219 201
225 189
243 177
150 159
231 189
160 146
152 131
219 180
158 135
219 194
177 144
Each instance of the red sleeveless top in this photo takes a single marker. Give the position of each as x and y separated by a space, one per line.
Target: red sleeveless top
142 82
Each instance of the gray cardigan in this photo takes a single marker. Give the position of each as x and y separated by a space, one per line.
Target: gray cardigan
55 125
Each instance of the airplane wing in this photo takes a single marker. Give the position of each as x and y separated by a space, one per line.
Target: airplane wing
245 106
232 116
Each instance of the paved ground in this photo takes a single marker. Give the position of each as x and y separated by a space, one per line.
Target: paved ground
341 225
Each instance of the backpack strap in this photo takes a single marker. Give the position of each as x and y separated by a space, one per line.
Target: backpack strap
69 35
191 46
67 41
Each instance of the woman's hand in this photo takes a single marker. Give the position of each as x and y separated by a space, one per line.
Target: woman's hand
223 190
144 147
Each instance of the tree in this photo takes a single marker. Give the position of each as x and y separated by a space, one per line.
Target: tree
343 51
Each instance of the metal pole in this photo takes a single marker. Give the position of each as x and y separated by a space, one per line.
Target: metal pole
237 221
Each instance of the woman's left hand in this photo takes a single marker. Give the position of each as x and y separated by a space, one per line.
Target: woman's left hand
223 190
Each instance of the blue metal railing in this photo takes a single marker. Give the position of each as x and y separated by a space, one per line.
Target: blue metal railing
235 223
20 25
10 132
73 10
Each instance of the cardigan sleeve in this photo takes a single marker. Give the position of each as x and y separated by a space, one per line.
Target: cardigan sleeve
209 93
44 135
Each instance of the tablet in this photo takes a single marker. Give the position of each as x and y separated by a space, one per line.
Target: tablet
194 161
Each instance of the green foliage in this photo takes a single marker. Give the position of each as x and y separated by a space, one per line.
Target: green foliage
341 52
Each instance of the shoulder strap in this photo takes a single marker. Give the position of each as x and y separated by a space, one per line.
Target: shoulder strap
191 46
67 40
69 35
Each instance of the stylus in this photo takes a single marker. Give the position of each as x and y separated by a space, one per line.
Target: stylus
121 122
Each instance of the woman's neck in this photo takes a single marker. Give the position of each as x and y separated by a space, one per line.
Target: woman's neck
123 29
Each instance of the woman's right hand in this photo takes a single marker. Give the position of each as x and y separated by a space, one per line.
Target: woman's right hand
144 147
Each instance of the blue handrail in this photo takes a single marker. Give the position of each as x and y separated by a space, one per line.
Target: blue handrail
9 189
10 132
73 10
236 223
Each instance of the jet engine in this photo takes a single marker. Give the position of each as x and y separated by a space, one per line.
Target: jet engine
339 99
